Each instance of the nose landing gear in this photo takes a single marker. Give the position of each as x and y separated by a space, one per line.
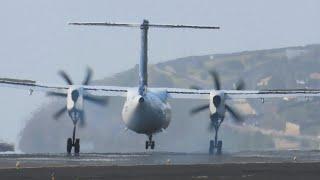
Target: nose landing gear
150 143
73 142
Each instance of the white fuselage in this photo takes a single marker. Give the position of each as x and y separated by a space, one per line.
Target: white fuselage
147 114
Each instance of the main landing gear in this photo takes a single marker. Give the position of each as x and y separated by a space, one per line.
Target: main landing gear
73 143
216 144
150 143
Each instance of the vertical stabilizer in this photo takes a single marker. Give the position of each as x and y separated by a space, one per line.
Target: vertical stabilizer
143 65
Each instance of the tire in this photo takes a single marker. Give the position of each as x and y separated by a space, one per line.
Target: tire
69 145
147 144
77 146
152 144
219 147
211 147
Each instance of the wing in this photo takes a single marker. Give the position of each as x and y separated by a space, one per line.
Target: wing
108 90
34 86
242 94
172 92
281 93
184 93
31 85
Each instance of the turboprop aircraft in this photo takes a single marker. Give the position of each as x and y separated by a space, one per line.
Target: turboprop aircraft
146 109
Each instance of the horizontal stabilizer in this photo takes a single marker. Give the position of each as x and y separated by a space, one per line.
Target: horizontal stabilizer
139 25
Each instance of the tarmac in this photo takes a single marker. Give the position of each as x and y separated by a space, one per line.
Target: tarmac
163 165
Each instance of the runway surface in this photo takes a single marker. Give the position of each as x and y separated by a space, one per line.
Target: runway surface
163 165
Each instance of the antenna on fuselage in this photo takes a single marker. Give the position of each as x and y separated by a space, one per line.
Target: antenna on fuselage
143 66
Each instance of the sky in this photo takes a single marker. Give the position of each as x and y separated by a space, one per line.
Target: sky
36 40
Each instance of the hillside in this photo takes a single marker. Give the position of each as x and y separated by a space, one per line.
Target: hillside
292 67
5 147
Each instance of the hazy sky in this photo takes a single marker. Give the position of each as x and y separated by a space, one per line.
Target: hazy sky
35 40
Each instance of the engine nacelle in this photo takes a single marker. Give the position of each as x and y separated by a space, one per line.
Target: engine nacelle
75 98
217 103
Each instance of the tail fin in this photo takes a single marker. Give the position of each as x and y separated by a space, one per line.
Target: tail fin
143 66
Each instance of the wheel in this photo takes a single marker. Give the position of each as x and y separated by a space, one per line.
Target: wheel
211 147
219 147
77 146
152 144
147 144
69 145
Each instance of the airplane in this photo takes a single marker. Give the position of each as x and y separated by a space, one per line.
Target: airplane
147 110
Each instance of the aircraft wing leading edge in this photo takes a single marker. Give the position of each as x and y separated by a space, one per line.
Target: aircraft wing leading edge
243 94
172 92
33 86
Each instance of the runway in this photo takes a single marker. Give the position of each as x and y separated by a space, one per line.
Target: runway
163 165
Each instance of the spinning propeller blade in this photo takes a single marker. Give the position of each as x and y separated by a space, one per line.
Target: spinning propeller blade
88 77
195 87
59 113
82 120
199 109
236 116
66 77
210 126
216 79
56 94
96 99
240 85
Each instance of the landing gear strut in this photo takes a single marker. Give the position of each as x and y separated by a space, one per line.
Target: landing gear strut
73 143
216 144
150 143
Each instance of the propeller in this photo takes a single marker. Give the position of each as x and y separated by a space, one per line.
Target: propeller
88 77
235 114
82 122
102 101
60 112
240 85
199 109
99 100
216 79
56 94
66 77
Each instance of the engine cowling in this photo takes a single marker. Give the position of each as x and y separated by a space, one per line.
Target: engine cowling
217 103
75 98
